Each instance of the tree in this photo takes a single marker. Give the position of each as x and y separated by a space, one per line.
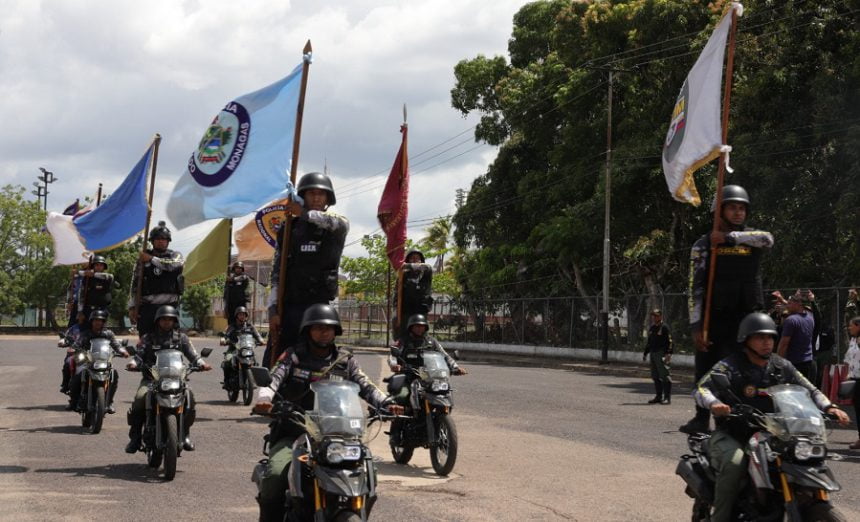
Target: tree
20 222
197 300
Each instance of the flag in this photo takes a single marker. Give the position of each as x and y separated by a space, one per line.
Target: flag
72 209
394 205
256 241
121 217
695 132
244 157
209 259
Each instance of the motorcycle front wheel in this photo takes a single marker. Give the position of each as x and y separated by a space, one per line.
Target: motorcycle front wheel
248 388
443 455
98 415
171 446
701 511
824 512
347 516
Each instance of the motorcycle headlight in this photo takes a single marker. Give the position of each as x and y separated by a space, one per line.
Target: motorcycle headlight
246 352
100 365
804 450
337 452
169 385
439 385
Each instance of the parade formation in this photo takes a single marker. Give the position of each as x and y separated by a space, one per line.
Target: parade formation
763 403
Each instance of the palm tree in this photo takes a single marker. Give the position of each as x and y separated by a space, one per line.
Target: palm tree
438 238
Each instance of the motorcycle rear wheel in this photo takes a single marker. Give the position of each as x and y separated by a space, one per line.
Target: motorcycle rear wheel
248 388
701 511
824 512
443 455
171 447
98 415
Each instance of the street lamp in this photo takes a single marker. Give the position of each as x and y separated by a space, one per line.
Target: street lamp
47 178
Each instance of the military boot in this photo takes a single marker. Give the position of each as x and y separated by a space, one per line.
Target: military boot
658 397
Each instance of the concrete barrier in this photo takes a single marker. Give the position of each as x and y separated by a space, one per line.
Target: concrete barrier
556 352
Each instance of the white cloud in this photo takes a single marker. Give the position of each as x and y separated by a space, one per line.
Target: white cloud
86 84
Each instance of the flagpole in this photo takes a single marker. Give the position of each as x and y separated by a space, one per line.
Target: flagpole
156 141
99 196
229 269
288 221
721 174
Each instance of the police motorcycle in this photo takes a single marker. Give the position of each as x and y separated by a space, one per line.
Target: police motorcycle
332 475
240 364
97 375
166 402
788 477
423 388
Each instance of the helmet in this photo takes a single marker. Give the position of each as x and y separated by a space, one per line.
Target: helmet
98 314
419 319
240 310
317 180
99 259
733 193
160 232
239 264
166 311
321 314
415 251
756 323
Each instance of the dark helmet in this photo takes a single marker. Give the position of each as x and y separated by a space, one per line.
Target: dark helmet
99 259
160 232
415 251
756 323
166 311
320 314
240 310
733 193
239 264
418 319
317 180
99 314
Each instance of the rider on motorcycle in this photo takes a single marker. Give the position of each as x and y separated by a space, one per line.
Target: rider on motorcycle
165 335
750 371
96 331
73 333
314 358
419 340
240 326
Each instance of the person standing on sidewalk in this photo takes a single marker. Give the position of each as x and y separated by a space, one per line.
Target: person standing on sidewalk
795 343
659 347
852 359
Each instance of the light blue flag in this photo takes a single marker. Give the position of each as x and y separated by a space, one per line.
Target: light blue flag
243 159
121 217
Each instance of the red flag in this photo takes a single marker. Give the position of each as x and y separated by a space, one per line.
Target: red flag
394 205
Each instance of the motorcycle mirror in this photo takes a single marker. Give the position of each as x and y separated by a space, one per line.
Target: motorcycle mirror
721 380
206 352
455 353
261 376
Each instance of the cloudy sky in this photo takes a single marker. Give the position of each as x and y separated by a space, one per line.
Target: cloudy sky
84 86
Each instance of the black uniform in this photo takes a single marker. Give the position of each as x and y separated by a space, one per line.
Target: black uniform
83 343
417 281
412 347
162 285
316 244
659 345
95 292
235 293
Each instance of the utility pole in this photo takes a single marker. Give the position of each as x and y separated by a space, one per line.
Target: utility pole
604 314
41 194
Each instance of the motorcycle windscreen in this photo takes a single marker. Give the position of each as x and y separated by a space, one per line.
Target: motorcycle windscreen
435 365
100 350
337 409
246 341
795 413
168 365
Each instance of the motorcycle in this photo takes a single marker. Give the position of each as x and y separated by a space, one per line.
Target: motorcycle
332 475
788 476
239 376
97 376
424 390
166 403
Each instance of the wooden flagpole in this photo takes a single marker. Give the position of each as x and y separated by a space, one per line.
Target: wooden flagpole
139 269
229 271
404 166
288 221
721 174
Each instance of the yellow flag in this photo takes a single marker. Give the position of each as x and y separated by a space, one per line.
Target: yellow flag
209 259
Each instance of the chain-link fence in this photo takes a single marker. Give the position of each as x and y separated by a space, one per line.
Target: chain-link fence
565 321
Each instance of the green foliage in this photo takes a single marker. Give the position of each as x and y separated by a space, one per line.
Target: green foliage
367 275
533 223
122 262
197 300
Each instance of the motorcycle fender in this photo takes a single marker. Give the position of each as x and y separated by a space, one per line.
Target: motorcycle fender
169 401
100 376
439 400
692 473
818 477
343 482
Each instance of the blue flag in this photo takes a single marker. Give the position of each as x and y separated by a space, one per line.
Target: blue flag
121 217
243 159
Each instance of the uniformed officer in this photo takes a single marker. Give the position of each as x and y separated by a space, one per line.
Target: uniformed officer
97 331
316 243
659 347
737 289
95 287
315 357
416 276
236 289
162 280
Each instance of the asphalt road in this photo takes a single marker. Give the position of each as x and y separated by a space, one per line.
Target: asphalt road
535 444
